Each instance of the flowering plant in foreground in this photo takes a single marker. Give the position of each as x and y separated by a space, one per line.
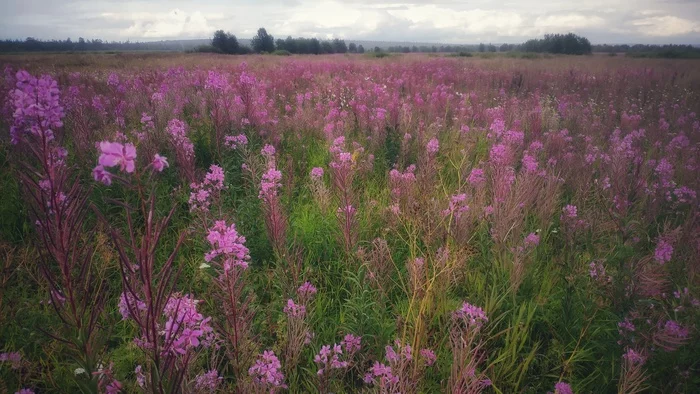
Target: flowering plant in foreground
466 345
170 329
275 218
333 359
298 330
266 373
59 208
230 258
403 371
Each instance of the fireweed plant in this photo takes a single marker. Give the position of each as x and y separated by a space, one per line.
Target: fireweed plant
345 224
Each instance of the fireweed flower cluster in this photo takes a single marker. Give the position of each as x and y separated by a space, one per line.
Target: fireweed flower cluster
318 188
227 247
205 193
343 170
663 251
402 186
562 388
12 358
466 345
230 258
633 376
207 382
184 148
266 373
238 141
298 331
403 372
37 110
294 310
331 360
306 292
275 218
185 328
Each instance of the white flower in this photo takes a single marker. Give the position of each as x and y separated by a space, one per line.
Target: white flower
79 371
204 266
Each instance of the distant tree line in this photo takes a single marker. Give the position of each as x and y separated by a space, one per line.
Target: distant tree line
642 50
440 48
34 45
263 42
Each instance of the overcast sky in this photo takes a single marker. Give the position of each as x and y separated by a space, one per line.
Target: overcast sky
447 21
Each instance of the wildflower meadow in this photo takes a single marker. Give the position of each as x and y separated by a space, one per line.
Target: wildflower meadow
349 224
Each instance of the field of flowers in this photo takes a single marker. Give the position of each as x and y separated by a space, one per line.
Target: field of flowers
344 224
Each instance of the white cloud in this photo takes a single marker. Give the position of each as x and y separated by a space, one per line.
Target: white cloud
567 22
477 21
666 26
175 23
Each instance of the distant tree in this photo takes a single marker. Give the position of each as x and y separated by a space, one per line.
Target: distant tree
570 43
339 46
290 44
360 49
506 47
482 47
327 47
263 42
219 40
280 44
225 42
491 48
352 47
314 46
377 49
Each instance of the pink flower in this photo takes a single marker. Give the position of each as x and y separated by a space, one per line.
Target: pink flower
306 290
570 211
634 357
663 252
236 141
102 175
316 173
429 356
25 391
268 151
270 183
472 315
529 163
294 310
127 303
207 382
116 154
159 163
562 388
351 343
226 242
13 358
433 146
476 177
266 371
500 154
532 239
